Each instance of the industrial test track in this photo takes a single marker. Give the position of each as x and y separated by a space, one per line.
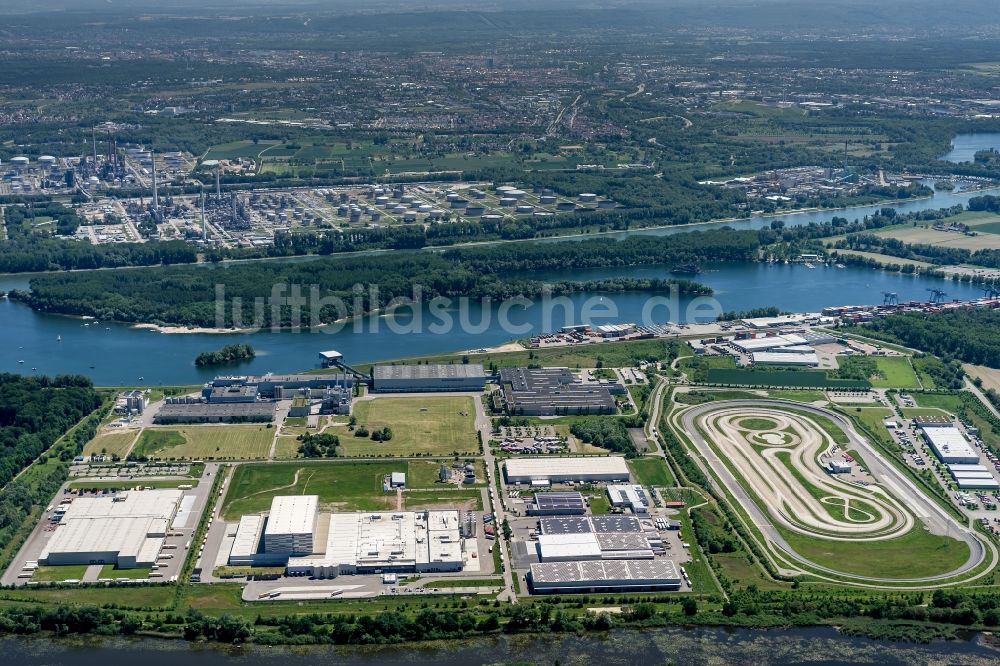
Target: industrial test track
772 451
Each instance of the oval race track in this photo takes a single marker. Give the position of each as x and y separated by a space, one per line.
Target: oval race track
774 445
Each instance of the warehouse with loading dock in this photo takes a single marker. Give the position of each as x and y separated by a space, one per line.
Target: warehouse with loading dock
125 529
603 576
546 471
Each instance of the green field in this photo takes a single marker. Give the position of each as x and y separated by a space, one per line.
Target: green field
463 500
109 571
785 378
599 505
420 425
916 554
651 471
348 486
894 372
241 442
111 443
60 573
611 354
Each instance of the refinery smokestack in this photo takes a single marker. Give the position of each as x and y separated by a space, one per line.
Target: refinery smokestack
218 188
156 195
204 229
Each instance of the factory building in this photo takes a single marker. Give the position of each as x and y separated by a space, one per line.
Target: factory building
947 442
432 378
603 576
557 504
403 541
552 391
201 412
247 550
278 386
291 524
545 471
769 343
131 402
233 394
629 496
125 529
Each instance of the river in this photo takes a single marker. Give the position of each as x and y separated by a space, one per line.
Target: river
661 646
117 354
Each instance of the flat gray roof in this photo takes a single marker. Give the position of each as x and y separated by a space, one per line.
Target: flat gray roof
432 371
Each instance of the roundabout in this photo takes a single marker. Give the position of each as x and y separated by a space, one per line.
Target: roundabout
771 460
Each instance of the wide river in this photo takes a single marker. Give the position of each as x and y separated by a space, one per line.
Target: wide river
117 354
661 646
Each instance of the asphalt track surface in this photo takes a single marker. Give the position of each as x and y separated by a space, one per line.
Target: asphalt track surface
901 492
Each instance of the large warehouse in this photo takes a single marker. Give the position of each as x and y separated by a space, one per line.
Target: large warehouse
431 378
402 541
291 524
949 444
604 576
547 470
125 529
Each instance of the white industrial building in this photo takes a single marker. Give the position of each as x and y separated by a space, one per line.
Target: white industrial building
548 470
598 576
949 444
246 545
125 529
779 357
291 524
751 345
629 497
402 541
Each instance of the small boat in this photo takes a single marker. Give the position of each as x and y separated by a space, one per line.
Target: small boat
58 338
33 369
809 265
21 361
840 266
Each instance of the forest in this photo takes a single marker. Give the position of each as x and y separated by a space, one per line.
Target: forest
232 353
971 335
188 296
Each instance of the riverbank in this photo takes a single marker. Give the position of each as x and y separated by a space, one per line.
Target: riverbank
694 646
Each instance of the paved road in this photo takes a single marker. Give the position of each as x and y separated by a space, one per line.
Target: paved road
485 427
935 517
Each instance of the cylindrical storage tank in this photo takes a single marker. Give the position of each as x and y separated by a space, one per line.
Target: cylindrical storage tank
492 217
517 194
376 216
410 216
398 210
524 209
459 203
542 213
566 205
451 196
474 211
546 199
382 201
607 203
508 201
342 210
588 197
19 161
408 198
47 160
503 189
435 214
425 208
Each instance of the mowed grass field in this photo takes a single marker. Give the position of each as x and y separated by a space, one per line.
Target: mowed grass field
347 486
420 424
111 443
894 372
243 442
651 472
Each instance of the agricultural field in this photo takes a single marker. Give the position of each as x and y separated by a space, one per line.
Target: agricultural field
111 443
241 442
985 227
420 425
